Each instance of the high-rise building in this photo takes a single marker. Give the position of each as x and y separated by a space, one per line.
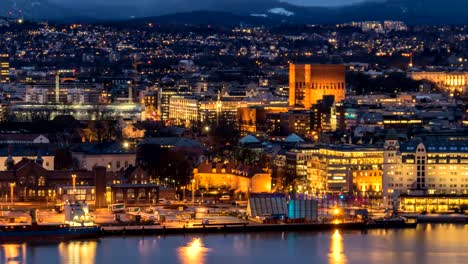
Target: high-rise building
309 83
327 116
4 68
164 95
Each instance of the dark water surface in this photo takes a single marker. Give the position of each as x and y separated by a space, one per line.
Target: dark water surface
435 243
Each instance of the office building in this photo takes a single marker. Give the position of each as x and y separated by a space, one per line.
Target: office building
353 169
164 96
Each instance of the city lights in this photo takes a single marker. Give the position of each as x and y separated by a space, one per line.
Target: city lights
125 130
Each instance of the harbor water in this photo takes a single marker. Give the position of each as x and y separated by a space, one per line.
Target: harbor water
428 243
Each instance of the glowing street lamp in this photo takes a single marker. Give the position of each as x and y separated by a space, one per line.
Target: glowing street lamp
336 211
12 192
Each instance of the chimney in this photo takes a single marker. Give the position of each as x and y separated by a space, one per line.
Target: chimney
100 182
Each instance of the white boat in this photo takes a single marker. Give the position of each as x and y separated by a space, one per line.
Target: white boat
117 208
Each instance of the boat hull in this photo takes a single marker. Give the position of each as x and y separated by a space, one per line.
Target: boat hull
59 234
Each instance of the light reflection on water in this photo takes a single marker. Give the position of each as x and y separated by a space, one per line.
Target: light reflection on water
78 252
13 253
337 255
193 252
433 244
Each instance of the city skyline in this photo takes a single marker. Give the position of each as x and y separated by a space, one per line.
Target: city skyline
217 135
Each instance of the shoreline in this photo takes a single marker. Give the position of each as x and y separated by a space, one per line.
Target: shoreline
247 228
437 218
157 230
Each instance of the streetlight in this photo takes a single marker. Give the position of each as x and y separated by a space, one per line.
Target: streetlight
126 145
74 185
193 191
12 192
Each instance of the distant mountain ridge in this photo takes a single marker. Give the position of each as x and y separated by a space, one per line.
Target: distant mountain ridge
265 11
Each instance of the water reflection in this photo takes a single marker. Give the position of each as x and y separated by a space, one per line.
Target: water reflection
194 252
337 255
78 252
13 253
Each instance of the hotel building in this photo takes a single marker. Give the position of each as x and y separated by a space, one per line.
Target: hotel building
431 167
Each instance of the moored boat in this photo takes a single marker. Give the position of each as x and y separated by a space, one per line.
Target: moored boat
394 222
34 232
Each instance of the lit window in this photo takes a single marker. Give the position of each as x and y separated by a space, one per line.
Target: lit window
41 181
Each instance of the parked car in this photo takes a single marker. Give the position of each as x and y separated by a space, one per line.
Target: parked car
164 201
225 198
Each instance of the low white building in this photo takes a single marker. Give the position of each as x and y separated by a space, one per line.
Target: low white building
23 139
113 156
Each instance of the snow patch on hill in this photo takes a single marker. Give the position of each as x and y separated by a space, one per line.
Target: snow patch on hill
281 11
259 15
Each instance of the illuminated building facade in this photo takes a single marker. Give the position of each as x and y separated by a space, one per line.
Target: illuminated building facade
191 110
367 182
336 166
212 111
326 115
453 82
114 157
150 101
309 83
401 121
164 95
305 171
254 119
235 177
68 94
345 161
296 122
33 182
4 68
183 110
429 167
25 112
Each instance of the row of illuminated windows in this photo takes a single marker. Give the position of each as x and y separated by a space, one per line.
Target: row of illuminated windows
451 161
453 167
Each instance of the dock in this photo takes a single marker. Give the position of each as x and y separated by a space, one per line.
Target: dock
236 228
